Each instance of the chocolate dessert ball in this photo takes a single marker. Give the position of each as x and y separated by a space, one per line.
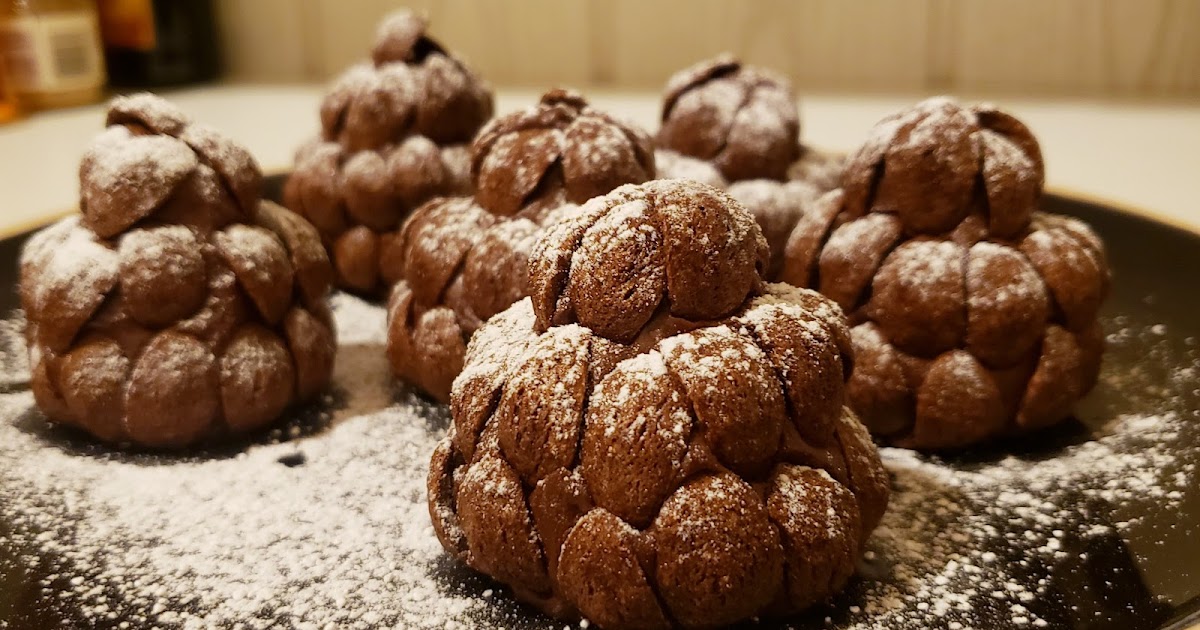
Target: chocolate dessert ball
673 165
820 169
974 313
656 438
777 207
393 135
179 306
741 118
743 122
457 262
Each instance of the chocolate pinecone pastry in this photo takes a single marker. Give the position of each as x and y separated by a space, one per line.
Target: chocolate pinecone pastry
741 118
457 262
393 136
820 169
674 165
974 313
777 207
641 442
743 121
178 307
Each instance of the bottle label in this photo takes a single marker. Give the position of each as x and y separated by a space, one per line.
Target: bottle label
55 52
127 24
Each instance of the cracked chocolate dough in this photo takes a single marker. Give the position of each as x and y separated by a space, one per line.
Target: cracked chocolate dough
640 443
974 314
737 127
394 134
179 307
457 262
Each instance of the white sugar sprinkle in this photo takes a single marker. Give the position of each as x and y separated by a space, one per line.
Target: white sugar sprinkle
231 538
332 529
961 539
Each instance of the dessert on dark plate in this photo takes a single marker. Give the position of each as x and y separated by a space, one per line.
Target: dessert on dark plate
640 443
394 134
458 261
645 433
736 126
974 313
1092 523
179 306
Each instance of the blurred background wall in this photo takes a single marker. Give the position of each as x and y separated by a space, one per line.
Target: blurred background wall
1123 48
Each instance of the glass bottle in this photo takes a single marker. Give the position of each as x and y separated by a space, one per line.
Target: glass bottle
9 109
51 50
157 43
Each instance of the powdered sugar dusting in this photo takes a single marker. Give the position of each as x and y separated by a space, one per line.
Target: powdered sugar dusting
69 266
502 343
865 238
369 170
936 116
811 506
151 253
594 145
523 157
119 165
12 350
256 249
454 227
248 357
343 538
672 165
158 113
242 538
779 303
1020 289
519 235
716 104
1003 156
95 370
1007 540
626 227
401 27
924 267
963 369
569 348
356 80
713 356
1013 508
777 207
763 119
880 137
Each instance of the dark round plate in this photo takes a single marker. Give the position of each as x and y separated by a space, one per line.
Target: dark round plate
1146 575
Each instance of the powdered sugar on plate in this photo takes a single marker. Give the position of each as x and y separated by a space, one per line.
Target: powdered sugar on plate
323 523
326 529
1009 540
958 541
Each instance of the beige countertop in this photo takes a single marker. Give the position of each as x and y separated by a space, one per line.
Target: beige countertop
1141 156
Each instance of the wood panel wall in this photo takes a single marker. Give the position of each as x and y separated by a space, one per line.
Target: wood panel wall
1052 47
